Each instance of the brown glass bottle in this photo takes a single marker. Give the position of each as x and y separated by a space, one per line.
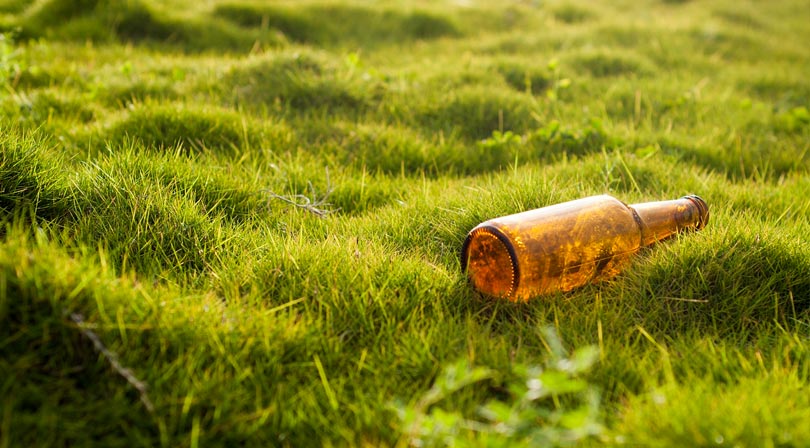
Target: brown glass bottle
564 246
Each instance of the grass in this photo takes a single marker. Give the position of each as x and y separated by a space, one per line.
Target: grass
156 160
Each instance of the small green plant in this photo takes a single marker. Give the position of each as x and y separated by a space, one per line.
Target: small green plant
499 149
558 83
549 405
501 140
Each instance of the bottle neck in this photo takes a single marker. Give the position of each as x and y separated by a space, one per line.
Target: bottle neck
662 219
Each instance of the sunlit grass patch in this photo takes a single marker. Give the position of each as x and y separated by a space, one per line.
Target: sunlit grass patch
239 222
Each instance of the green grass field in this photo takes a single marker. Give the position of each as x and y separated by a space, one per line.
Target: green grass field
238 223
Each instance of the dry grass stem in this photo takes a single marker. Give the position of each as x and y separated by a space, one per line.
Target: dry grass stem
112 358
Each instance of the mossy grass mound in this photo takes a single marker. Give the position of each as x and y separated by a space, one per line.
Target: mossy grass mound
239 222
339 24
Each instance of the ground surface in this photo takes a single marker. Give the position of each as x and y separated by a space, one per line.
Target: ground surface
157 287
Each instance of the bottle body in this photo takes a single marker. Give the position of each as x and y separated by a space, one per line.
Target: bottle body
564 246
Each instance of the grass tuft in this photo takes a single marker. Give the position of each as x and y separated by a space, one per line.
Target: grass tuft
295 80
602 64
474 113
166 126
742 282
29 178
725 413
570 13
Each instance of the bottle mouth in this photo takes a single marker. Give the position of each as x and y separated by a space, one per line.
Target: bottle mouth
489 260
703 210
